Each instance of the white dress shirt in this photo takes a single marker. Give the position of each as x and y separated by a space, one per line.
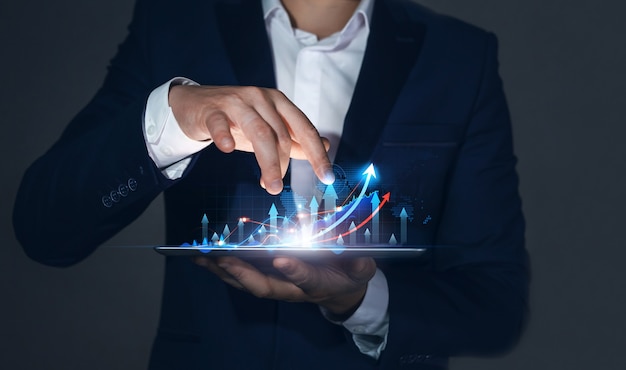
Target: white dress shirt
319 77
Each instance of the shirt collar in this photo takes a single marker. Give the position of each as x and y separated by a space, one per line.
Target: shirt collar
363 12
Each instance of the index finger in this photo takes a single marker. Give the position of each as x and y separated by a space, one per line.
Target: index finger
306 135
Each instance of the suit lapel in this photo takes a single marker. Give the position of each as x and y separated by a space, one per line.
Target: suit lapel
392 49
244 35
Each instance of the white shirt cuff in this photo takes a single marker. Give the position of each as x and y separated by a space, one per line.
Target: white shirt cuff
369 324
167 144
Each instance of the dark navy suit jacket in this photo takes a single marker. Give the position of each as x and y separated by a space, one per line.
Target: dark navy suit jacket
428 106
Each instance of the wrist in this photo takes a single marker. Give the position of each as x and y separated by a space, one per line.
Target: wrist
341 308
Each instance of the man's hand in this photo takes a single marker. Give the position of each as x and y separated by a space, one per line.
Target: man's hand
338 285
256 120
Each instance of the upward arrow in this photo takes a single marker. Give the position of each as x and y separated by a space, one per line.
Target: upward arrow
352 230
240 231
375 219
330 199
273 213
226 232
330 206
403 232
313 207
205 227
370 171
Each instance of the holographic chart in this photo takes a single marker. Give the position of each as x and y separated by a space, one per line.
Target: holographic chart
344 214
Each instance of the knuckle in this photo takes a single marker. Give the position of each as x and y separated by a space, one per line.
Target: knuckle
237 275
254 92
262 131
276 94
216 117
294 297
265 291
283 134
310 130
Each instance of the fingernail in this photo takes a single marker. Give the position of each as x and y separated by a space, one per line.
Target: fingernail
329 177
224 265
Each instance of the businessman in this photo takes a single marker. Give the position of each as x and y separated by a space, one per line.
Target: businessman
210 102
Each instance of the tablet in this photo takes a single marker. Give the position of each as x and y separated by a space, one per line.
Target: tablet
268 251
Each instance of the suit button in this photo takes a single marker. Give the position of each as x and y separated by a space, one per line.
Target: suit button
106 200
132 184
151 129
115 196
167 151
123 190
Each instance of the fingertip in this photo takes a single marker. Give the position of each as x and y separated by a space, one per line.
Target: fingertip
326 175
282 263
275 187
225 144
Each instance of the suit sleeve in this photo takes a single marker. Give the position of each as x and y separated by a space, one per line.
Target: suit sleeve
472 299
98 177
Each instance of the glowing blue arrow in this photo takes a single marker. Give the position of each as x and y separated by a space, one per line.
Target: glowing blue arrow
240 231
392 240
273 213
375 220
403 233
370 173
340 240
313 207
353 234
226 233
368 236
205 227
330 206
330 199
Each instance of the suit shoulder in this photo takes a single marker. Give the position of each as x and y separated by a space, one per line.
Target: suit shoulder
446 38
441 25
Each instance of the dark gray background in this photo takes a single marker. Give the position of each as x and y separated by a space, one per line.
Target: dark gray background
563 66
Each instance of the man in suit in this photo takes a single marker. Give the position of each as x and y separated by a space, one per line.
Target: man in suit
385 81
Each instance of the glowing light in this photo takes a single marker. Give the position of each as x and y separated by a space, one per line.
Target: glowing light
339 209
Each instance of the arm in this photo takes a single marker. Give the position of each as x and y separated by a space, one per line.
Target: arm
99 176
61 211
